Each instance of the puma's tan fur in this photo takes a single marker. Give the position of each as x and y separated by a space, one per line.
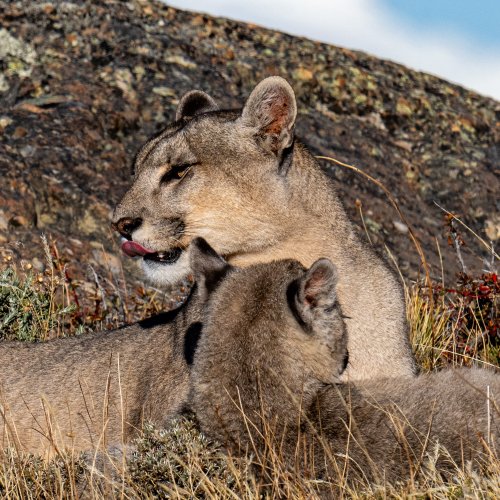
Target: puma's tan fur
241 181
265 378
94 390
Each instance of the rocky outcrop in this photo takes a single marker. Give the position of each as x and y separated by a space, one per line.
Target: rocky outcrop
83 84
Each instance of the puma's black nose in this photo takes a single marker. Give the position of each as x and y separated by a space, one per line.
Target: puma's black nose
127 226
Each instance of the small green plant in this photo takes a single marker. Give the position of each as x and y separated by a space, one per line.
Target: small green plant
179 460
37 306
29 476
27 308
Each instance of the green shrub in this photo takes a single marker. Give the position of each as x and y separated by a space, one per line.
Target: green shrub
28 310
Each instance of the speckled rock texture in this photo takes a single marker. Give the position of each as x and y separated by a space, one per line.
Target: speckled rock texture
84 84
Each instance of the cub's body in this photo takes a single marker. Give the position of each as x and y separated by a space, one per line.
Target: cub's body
393 428
95 390
266 377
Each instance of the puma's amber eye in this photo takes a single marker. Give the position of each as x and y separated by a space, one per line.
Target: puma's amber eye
176 172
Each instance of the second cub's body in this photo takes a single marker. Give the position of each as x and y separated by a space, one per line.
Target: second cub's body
394 428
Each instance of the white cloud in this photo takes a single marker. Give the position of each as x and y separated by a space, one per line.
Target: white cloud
366 25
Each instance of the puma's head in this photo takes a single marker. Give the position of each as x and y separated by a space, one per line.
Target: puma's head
212 174
273 333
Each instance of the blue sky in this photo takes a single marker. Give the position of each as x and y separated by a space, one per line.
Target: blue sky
479 20
456 39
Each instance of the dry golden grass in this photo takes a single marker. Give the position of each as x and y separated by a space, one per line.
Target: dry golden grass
179 462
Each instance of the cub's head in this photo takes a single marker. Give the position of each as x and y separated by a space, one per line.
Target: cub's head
272 335
214 174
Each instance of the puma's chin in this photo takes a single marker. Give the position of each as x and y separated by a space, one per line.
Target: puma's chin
165 274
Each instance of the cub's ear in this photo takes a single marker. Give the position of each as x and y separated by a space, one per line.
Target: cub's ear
207 265
271 109
194 103
316 291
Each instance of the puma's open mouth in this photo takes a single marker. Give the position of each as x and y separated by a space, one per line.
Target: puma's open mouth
134 249
165 257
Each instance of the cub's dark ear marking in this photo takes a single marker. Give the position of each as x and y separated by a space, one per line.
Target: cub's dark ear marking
286 160
316 290
207 265
345 360
194 103
271 109
160 319
291 297
191 339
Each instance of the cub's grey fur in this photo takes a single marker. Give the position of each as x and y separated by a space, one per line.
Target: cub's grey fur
94 390
266 370
245 184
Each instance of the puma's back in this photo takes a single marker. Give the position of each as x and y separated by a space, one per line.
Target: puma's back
242 181
94 390
397 428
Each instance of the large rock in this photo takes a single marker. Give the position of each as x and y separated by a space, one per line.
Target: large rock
85 83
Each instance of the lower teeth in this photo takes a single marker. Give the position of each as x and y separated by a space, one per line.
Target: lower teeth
167 257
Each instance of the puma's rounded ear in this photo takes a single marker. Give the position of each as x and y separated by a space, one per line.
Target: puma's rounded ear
316 291
206 264
318 284
194 103
271 109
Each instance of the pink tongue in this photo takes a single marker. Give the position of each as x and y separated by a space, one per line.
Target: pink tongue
133 249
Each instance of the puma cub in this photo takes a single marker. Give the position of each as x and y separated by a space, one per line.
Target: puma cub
242 181
87 392
266 370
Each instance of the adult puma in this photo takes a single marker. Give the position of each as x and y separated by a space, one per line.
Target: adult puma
245 184
265 377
